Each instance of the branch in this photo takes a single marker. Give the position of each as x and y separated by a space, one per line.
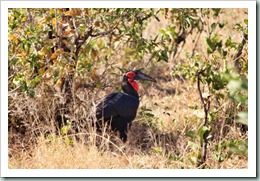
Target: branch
56 27
102 33
196 41
105 32
206 106
80 42
88 33
239 51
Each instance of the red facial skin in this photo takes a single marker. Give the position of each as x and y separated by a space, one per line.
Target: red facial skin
131 80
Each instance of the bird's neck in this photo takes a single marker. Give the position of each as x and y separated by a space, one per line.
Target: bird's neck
130 86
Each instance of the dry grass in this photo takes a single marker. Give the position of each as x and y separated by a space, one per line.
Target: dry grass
56 154
162 146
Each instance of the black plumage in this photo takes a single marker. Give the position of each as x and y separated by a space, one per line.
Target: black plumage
119 109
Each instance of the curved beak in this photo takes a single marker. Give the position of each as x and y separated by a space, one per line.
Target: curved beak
141 76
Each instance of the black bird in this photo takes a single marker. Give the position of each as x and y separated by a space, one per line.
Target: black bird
119 109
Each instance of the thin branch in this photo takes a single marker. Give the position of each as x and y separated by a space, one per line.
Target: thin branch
102 33
56 27
196 41
29 15
105 32
81 41
83 13
239 51
88 34
206 106
12 91
76 29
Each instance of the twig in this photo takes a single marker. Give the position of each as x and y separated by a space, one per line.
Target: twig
88 33
106 32
80 42
196 42
239 51
12 91
206 107
56 27
102 33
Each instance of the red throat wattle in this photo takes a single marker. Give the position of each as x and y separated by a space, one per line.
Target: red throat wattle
134 84
131 80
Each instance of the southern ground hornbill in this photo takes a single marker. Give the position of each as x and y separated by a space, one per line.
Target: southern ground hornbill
119 109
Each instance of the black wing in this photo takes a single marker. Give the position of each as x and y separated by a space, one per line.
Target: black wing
117 104
105 108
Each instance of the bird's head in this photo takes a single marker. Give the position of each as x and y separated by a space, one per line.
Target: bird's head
134 75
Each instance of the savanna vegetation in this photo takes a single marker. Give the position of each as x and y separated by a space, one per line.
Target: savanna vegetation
61 62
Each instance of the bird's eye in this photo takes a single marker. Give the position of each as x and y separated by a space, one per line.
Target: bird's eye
130 74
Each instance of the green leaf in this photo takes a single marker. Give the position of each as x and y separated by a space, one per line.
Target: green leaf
162 55
128 50
230 43
209 51
246 21
187 23
187 54
243 118
149 115
221 25
211 45
201 131
224 53
35 81
204 129
162 31
239 27
234 85
218 44
219 157
157 150
14 61
68 141
212 116
241 98
31 92
66 128
216 11
213 27
18 80
24 86
190 134
219 96
192 17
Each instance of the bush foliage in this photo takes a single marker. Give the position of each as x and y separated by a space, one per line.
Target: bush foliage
62 61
